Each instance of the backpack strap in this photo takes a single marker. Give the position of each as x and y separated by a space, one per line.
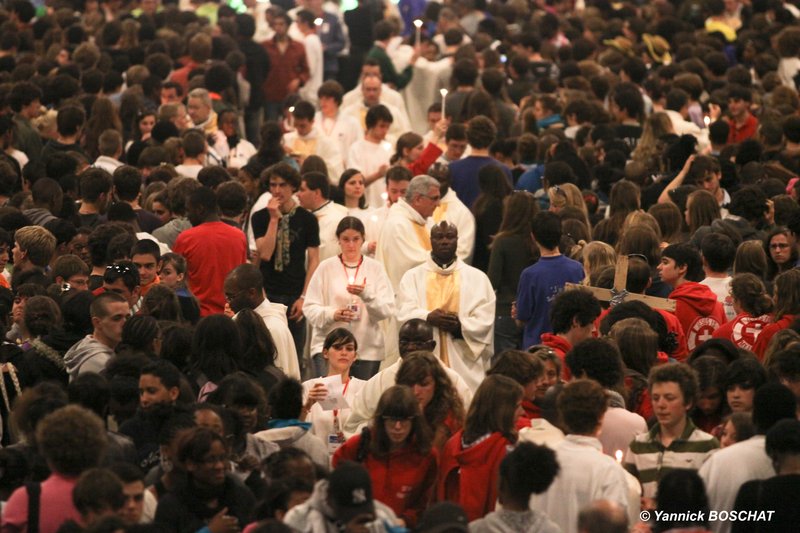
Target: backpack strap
34 505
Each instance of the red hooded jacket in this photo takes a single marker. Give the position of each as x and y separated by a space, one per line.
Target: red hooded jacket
673 326
698 311
404 480
469 476
561 346
760 347
744 330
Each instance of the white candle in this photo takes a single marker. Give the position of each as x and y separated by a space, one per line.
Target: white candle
418 24
443 92
351 279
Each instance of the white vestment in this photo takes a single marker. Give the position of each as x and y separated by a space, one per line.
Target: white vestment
328 217
389 97
343 131
423 89
402 244
363 405
455 212
327 292
368 157
274 317
429 287
314 58
400 124
316 144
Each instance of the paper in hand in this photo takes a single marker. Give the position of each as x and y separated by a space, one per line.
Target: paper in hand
335 398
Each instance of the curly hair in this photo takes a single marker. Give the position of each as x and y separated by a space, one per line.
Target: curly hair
581 406
72 439
415 368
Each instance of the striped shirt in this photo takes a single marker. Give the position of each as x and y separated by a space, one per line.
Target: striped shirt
649 460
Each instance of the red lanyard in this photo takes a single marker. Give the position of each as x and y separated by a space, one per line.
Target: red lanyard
336 411
355 276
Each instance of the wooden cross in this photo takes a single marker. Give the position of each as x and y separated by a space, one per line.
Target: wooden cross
619 295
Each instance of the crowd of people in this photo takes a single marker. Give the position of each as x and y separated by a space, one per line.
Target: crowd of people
523 266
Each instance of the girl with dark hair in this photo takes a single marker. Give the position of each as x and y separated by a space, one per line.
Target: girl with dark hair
787 306
781 252
710 406
205 489
471 458
396 451
216 352
258 358
173 275
752 305
438 399
512 251
354 191
488 210
340 350
353 291
414 155
638 345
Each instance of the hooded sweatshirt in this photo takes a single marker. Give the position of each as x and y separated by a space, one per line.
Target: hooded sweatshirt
698 311
760 346
468 476
561 346
298 437
316 516
88 355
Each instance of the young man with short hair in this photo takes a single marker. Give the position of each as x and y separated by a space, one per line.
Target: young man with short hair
742 122
71 269
718 252
146 256
696 306
372 153
572 317
314 196
96 186
674 441
34 247
70 121
540 283
109 312
128 188
140 504
306 140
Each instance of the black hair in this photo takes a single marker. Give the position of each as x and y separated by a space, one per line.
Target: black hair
546 229
573 305
686 254
719 251
596 359
286 399
528 469
166 372
746 372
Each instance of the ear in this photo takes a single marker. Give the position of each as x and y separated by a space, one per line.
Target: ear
59 280
174 392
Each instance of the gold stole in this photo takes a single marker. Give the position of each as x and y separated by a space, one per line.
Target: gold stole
443 292
304 147
423 235
362 114
439 212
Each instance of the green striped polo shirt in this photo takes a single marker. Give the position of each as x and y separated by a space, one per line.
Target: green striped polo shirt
649 460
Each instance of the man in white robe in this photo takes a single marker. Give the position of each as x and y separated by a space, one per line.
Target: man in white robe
388 96
244 289
372 152
371 89
330 123
305 141
314 196
405 237
457 300
414 335
453 210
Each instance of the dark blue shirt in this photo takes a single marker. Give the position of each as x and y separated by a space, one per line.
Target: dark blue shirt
464 177
539 284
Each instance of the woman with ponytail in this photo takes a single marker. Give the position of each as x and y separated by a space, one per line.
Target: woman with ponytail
752 305
414 155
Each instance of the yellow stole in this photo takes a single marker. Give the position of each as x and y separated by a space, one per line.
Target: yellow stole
440 212
304 147
362 114
443 291
423 235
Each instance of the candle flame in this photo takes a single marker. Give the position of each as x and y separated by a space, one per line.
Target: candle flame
443 92
385 196
418 23
618 455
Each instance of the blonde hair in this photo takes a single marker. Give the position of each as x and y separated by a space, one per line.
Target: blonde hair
640 218
38 243
568 195
597 255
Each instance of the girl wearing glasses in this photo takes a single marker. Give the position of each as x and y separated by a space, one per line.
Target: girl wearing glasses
396 451
781 253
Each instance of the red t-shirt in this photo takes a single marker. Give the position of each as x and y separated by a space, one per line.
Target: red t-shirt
212 250
746 131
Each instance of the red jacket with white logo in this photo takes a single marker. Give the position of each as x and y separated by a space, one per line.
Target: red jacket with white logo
698 311
743 330
760 347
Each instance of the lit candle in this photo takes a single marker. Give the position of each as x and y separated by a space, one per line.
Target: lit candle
384 196
618 456
351 279
418 24
318 21
443 92
707 120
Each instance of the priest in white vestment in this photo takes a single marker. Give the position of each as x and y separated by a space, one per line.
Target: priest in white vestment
405 236
371 88
453 210
457 300
244 289
414 335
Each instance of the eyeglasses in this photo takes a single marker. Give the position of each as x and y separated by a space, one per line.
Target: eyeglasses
778 246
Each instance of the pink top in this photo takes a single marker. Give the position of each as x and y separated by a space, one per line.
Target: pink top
56 506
